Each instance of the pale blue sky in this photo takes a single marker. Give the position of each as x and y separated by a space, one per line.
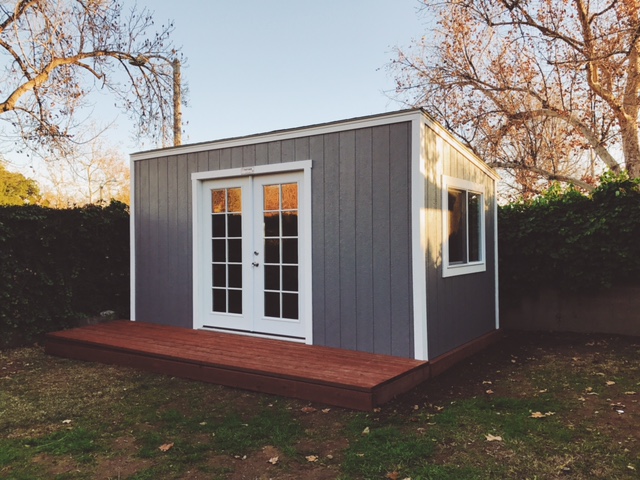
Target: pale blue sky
259 65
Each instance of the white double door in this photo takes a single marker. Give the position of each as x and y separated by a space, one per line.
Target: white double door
251 247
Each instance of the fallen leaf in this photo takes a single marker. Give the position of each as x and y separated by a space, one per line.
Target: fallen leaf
609 383
393 476
490 392
308 409
538 415
582 399
330 457
273 460
66 421
415 407
326 410
166 447
588 389
377 410
366 431
203 423
631 467
359 454
311 458
486 382
630 393
543 391
493 438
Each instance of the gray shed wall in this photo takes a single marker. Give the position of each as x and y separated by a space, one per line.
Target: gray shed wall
361 199
459 308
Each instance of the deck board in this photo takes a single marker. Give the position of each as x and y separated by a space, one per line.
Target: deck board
328 375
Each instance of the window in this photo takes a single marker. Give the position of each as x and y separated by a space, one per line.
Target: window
463 227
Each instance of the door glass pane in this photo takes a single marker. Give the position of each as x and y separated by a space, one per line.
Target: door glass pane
235 250
290 250
281 257
272 304
219 300
271 224
290 196
272 250
218 201
235 301
271 197
235 276
218 229
234 203
290 278
272 277
234 224
219 250
290 305
219 276
226 250
290 224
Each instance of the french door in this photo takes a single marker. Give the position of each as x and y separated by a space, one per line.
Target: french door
251 249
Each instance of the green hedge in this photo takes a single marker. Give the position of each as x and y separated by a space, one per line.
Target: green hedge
58 267
571 241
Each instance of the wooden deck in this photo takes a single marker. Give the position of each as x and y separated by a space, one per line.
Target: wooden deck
332 376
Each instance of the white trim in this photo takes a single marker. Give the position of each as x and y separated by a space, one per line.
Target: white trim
495 253
419 242
362 122
257 170
306 291
132 242
470 267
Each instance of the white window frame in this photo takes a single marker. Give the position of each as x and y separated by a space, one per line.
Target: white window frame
449 270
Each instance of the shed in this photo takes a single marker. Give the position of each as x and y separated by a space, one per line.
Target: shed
376 234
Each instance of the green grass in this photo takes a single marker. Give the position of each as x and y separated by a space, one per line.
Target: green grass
119 418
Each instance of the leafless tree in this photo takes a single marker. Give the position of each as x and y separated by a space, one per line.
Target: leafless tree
57 52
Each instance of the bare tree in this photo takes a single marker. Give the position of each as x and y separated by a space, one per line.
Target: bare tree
94 173
56 52
534 86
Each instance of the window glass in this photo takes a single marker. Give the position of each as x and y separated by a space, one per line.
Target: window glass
475 211
457 222
463 217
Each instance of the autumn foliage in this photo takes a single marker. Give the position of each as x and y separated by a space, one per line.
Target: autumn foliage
543 89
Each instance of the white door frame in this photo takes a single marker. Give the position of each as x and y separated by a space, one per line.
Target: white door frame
199 224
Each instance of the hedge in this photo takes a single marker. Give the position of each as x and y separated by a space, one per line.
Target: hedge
571 241
58 267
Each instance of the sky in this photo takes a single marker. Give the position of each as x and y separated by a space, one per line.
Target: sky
255 66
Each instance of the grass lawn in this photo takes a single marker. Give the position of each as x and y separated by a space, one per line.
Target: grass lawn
534 406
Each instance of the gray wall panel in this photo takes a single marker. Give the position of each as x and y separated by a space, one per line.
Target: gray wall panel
364 241
316 146
361 242
459 308
331 238
381 243
400 218
347 249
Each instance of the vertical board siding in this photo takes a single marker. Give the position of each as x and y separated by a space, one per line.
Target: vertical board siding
400 226
381 233
459 308
361 245
364 241
347 233
331 238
